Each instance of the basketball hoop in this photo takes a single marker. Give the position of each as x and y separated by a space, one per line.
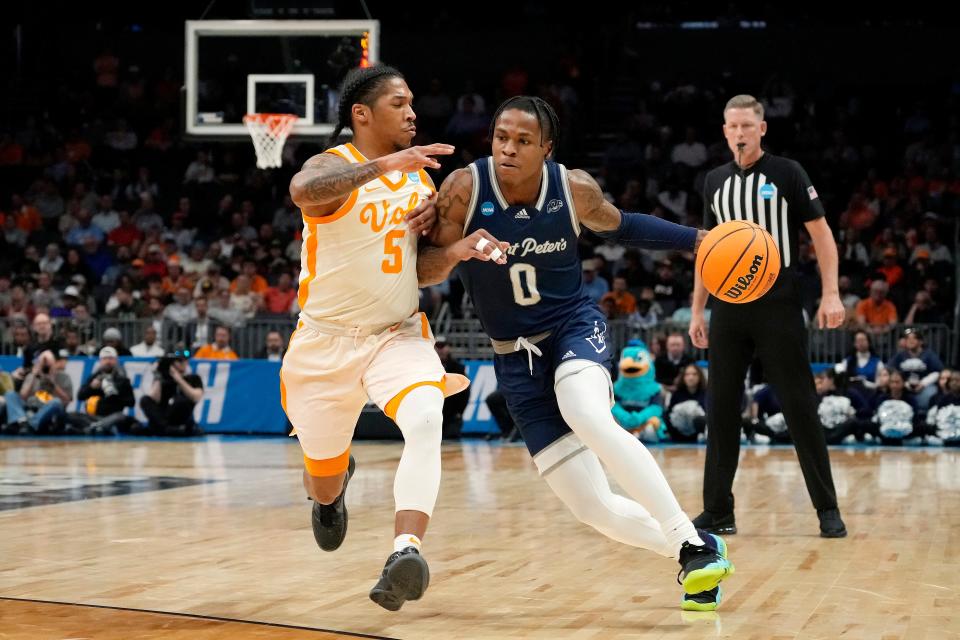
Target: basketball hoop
269 132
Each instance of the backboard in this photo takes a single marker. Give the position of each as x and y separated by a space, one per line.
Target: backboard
235 67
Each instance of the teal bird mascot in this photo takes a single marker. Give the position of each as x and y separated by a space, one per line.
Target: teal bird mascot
638 400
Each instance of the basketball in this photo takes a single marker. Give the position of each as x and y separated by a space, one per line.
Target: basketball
738 261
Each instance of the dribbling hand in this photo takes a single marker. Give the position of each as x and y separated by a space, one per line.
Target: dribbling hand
480 245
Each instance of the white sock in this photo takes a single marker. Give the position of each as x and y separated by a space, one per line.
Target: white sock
582 485
583 395
405 540
420 418
678 530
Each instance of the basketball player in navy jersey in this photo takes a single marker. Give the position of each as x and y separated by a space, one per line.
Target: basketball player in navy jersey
550 339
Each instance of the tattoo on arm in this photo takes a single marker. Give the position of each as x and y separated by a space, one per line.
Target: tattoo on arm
434 264
593 210
452 202
323 180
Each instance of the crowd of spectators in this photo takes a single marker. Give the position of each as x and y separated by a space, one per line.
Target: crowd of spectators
118 231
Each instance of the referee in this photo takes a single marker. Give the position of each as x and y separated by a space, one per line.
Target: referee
777 194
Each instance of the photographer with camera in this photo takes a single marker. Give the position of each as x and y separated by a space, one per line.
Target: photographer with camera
173 394
43 340
43 396
106 394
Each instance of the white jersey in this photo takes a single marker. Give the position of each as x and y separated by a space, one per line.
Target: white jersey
359 264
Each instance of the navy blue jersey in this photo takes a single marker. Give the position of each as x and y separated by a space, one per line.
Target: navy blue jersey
541 285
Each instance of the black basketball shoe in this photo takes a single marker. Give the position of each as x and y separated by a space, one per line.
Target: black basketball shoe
405 577
330 520
702 567
831 526
708 600
704 601
721 524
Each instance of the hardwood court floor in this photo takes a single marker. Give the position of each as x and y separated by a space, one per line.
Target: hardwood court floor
219 529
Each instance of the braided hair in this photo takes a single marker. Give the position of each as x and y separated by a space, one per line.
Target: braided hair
538 107
360 86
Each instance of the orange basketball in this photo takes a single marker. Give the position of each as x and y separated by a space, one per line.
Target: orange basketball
738 261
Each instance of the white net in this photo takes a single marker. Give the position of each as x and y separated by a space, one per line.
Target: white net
269 132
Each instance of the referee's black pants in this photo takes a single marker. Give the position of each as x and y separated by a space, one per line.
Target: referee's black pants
773 328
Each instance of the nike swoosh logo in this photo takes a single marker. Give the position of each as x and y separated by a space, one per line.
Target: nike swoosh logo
368 189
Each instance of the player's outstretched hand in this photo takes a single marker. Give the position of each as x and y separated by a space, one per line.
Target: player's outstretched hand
416 158
421 220
480 245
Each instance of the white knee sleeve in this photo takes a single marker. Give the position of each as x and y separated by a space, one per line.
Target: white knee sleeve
581 484
420 418
584 401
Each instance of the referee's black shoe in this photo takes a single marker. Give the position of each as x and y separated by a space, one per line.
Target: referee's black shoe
330 520
721 524
831 526
404 577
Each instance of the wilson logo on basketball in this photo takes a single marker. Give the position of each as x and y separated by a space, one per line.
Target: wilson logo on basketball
743 282
738 262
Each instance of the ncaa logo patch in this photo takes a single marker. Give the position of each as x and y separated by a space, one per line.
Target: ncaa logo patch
554 205
414 176
766 191
486 208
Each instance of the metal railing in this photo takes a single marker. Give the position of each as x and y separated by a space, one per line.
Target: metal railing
467 339
247 340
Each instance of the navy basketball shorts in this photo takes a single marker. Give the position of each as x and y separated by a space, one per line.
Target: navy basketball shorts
530 397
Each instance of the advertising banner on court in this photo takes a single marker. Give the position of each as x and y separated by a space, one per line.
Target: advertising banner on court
239 396
243 396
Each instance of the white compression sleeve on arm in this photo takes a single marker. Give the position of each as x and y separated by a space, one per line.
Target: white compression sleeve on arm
582 485
420 418
583 394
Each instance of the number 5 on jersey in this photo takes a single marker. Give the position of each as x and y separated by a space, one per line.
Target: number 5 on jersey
393 260
524 279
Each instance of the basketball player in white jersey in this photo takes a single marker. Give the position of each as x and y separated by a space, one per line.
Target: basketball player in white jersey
359 335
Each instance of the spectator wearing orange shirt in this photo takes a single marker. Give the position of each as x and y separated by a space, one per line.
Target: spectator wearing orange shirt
876 314
278 299
625 301
176 278
220 348
27 216
892 272
258 284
